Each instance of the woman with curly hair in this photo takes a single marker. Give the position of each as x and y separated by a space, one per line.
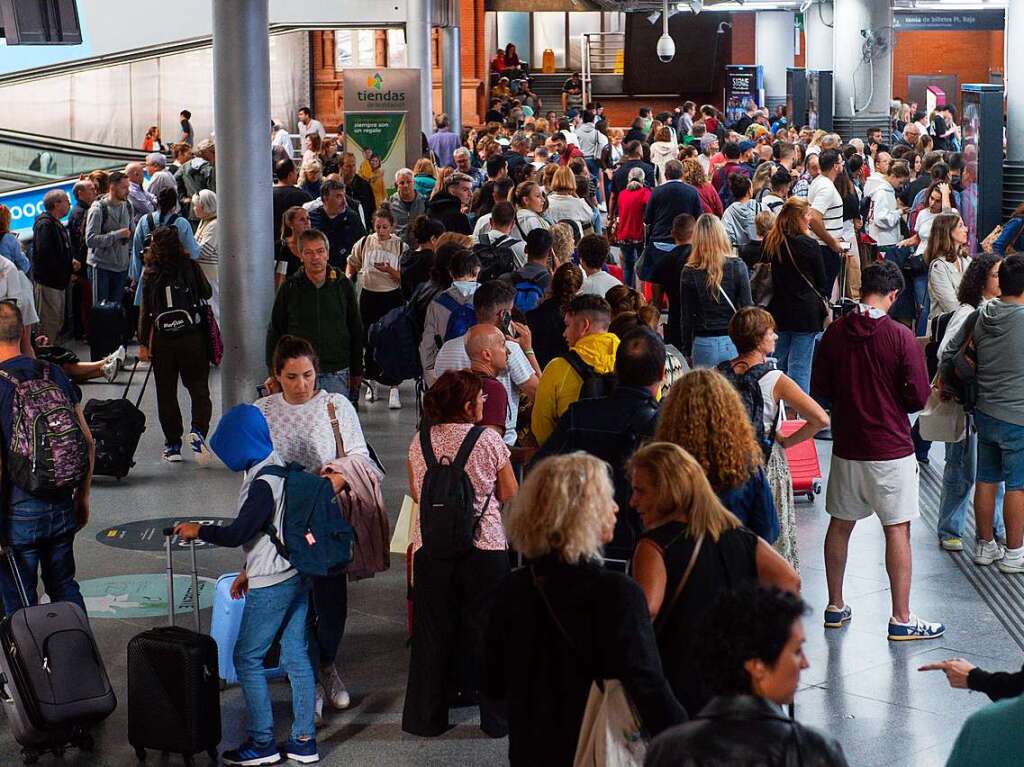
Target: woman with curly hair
564 620
683 520
563 245
705 416
694 175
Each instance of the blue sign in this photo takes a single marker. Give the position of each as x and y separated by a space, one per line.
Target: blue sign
26 204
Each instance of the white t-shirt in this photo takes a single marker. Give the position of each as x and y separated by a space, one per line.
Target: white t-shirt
598 284
923 227
313 126
452 356
14 284
824 198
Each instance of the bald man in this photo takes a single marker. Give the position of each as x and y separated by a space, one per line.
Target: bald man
141 201
488 357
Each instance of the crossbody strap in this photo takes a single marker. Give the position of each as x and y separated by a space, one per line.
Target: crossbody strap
339 443
727 299
664 614
804 276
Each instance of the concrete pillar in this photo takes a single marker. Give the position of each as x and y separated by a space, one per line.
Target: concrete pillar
241 98
417 46
819 37
862 89
1014 79
451 74
774 51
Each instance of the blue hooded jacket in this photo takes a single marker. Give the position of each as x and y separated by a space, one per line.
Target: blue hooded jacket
242 438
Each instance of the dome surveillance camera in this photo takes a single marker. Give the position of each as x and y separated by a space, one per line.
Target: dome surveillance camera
666 48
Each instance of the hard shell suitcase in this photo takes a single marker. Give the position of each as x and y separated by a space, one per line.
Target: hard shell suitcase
173 683
227 619
107 329
117 425
53 683
804 467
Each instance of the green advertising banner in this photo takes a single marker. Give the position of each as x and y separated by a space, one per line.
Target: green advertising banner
379 135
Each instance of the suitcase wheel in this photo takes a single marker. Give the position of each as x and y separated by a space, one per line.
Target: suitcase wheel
816 487
140 754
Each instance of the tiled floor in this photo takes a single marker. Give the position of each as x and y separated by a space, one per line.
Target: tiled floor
861 688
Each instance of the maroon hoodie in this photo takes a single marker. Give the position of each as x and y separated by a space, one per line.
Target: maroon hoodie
872 373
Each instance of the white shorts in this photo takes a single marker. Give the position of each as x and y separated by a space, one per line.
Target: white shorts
858 489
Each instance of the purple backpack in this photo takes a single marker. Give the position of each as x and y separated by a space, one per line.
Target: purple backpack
48 452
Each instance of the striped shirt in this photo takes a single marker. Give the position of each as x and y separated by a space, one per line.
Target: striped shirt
824 198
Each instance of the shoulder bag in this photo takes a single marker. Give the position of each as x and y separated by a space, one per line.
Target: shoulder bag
825 305
663 614
762 286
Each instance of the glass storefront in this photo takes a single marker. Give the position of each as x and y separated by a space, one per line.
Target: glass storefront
535 32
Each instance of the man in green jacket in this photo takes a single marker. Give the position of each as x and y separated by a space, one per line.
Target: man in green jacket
319 304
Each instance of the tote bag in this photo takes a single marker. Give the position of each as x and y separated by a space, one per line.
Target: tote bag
610 735
942 420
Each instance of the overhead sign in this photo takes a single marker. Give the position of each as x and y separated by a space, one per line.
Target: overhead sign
142 596
148 534
395 92
26 204
960 21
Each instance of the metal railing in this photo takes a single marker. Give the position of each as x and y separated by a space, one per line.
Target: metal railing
602 53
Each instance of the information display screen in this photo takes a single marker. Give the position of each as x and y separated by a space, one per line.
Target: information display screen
970 127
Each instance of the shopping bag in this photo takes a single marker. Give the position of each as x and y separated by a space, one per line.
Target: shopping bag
942 420
610 735
402 536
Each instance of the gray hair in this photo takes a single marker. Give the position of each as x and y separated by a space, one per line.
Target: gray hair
208 201
331 185
204 146
53 198
403 172
457 178
462 151
156 158
79 187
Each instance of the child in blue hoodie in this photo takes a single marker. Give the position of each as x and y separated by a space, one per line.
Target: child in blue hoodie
277 595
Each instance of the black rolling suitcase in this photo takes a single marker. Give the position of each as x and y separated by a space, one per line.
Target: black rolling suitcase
53 684
174 683
107 329
117 426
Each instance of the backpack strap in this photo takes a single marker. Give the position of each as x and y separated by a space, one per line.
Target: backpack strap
151 222
425 447
269 528
583 370
448 301
467 447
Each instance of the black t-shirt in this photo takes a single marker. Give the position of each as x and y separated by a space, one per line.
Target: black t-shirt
283 255
939 144
286 197
572 86
666 274
415 267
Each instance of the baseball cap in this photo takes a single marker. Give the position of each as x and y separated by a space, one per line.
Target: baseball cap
707 140
746 146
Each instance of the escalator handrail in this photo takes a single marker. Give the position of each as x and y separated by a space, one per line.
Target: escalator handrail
69 146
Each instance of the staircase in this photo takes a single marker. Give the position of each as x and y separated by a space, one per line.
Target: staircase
549 88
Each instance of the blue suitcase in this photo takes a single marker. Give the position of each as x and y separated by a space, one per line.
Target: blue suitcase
227 619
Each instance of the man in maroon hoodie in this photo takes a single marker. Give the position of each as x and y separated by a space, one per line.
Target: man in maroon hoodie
870 370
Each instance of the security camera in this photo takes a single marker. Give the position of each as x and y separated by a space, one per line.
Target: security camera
666 48
696 6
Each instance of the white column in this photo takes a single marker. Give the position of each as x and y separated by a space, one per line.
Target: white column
1014 81
819 37
451 75
774 38
862 89
417 42
241 97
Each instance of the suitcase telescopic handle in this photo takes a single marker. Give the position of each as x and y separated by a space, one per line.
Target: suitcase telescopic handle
8 554
168 537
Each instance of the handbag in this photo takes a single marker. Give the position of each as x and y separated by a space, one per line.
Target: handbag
214 340
762 286
826 305
943 418
611 734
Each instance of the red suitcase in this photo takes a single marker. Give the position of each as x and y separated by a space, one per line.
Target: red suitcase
803 463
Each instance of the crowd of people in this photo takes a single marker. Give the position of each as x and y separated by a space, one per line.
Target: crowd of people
606 328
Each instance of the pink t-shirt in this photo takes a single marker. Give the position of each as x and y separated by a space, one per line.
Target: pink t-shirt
489 454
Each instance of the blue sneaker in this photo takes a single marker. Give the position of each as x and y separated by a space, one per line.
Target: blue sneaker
301 751
250 755
914 629
200 449
172 453
835 617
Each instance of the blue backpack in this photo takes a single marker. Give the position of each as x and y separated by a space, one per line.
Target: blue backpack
394 344
528 295
314 536
461 319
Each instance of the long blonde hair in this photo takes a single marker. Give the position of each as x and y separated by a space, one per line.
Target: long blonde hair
762 178
788 223
710 248
683 488
704 415
564 507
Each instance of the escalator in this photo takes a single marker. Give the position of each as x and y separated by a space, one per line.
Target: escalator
31 165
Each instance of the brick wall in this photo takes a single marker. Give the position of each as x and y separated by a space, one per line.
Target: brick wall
969 55
744 43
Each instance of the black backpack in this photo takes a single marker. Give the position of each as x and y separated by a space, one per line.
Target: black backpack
448 518
748 385
594 384
496 258
177 309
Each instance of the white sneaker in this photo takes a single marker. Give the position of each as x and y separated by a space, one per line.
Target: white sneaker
334 689
987 552
110 368
602 207
371 392
394 402
120 355
1012 562
318 707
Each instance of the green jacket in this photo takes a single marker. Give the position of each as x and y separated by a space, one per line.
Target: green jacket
327 317
991 736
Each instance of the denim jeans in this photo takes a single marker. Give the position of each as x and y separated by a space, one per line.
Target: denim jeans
708 351
924 304
281 607
41 536
958 486
795 353
108 285
630 253
336 383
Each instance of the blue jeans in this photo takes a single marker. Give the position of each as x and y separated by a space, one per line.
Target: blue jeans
630 253
958 486
108 285
41 536
708 351
595 218
268 610
336 383
924 304
795 353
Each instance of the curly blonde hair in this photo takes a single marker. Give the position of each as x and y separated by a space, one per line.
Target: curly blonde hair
693 173
705 416
565 506
562 243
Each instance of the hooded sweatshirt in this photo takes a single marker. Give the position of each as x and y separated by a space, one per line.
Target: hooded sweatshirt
661 153
738 221
242 442
560 385
590 140
871 371
999 340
